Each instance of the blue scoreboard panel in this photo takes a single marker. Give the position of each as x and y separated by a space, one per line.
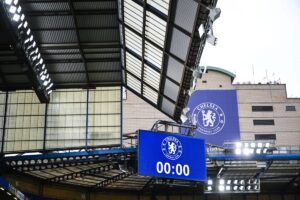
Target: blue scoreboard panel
171 156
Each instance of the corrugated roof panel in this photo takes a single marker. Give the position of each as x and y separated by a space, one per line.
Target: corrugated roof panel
151 77
17 78
186 11
46 6
105 77
105 35
161 5
167 106
65 67
133 83
94 5
102 55
61 56
37 22
65 36
150 94
103 66
58 51
69 77
133 15
155 29
101 50
179 44
133 65
133 41
97 20
11 68
153 54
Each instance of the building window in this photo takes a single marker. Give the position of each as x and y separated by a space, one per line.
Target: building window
265 136
204 81
290 108
263 122
262 108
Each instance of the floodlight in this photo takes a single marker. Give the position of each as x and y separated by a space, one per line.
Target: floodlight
12 9
241 188
19 9
267 145
221 187
265 150
246 151
211 39
259 145
16 2
242 182
43 66
25 24
8 2
46 82
209 182
255 187
252 145
228 182
228 188
238 151
222 182
1 188
49 92
22 17
238 145
201 30
235 182
235 188
248 187
251 151
258 151
246 144
28 31
209 188
31 38
16 17
48 88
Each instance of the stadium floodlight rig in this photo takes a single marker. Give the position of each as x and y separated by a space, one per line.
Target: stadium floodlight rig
248 148
27 46
220 185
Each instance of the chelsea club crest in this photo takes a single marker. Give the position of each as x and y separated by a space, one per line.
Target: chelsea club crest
171 148
209 117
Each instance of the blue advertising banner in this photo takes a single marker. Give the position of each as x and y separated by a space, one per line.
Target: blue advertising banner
215 113
171 156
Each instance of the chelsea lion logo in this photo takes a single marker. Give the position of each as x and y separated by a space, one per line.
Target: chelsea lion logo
171 148
209 117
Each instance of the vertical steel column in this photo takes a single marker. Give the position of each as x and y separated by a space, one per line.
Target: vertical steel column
45 126
4 122
87 120
121 116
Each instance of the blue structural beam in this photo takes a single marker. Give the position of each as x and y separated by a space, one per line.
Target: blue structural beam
70 154
217 157
288 156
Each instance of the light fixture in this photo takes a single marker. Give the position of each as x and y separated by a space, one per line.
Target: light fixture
12 9
221 185
8 2
28 31
48 88
19 9
16 17
22 17
250 148
16 2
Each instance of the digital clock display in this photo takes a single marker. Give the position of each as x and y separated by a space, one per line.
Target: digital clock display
171 156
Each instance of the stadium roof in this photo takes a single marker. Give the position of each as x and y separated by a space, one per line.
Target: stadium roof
151 47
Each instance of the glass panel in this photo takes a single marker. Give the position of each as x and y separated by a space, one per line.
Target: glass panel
133 42
150 94
155 29
161 5
151 77
133 83
153 55
133 65
24 122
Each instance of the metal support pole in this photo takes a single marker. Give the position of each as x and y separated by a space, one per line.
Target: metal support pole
121 117
87 120
4 121
45 126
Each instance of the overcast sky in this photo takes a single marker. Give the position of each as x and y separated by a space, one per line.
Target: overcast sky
261 36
